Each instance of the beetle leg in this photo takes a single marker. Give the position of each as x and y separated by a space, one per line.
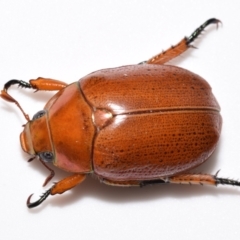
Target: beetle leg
59 188
67 183
4 95
39 201
38 84
202 179
47 84
182 46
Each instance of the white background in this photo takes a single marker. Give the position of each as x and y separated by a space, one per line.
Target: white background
66 40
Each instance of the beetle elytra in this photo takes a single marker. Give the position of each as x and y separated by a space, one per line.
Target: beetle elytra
133 125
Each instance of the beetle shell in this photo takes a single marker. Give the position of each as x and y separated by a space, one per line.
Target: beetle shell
136 122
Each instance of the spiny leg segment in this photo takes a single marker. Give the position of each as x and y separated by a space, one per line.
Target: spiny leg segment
47 84
199 179
182 46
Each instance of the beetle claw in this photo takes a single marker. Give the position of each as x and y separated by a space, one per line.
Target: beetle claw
39 201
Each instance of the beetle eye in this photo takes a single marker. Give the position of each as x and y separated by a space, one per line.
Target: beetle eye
46 156
39 114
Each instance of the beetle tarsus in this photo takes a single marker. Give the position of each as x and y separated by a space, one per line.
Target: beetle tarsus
226 181
199 30
20 83
38 202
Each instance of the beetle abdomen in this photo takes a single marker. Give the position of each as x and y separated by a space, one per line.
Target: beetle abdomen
164 120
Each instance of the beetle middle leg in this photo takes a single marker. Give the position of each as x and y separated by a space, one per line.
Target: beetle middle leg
59 188
182 46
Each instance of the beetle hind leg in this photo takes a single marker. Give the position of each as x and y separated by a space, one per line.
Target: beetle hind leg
186 178
197 179
182 46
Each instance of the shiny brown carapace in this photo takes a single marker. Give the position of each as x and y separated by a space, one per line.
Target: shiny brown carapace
130 126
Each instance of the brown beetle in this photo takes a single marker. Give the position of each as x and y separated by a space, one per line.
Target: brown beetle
130 126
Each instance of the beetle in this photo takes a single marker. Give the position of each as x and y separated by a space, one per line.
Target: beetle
130 126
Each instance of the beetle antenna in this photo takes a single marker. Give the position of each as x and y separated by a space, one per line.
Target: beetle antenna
39 201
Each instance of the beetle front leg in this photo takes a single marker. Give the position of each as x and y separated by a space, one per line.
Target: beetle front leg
47 84
182 46
59 188
40 83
